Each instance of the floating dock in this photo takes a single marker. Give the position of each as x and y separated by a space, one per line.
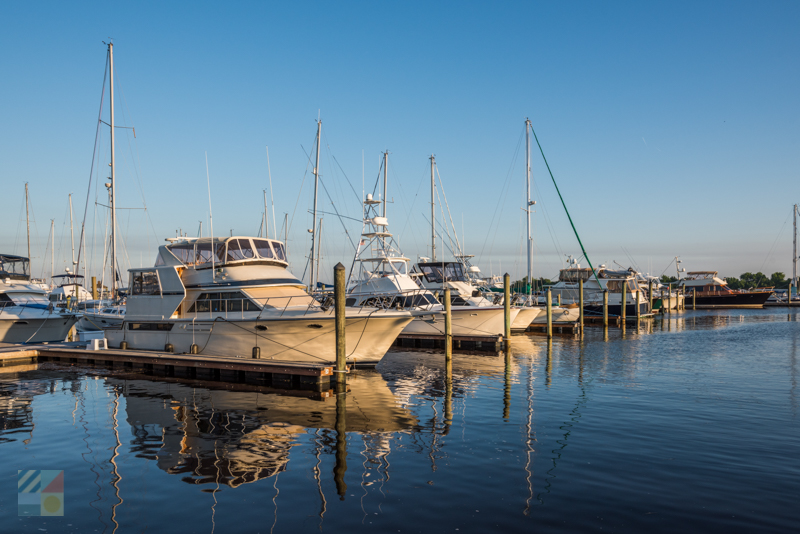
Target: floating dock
258 372
430 341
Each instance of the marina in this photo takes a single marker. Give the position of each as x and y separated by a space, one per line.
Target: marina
537 272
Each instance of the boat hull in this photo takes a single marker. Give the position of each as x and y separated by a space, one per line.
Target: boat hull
616 310
560 315
35 328
525 317
467 321
307 338
732 300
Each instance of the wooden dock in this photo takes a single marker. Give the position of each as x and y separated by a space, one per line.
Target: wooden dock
276 374
558 328
426 341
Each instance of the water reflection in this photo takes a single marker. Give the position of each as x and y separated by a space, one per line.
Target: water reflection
531 434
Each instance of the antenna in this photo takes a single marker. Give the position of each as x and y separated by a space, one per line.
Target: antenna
272 199
210 219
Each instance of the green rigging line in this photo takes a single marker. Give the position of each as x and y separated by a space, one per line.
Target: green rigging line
565 207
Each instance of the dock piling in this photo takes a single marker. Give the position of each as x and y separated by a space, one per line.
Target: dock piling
650 295
623 302
549 313
339 301
580 303
448 332
507 308
694 301
605 308
94 288
638 312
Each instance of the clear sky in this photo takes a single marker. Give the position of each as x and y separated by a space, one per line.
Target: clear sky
671 127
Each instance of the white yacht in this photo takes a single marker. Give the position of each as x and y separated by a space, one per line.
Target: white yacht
98 315
228 296
26 314
594 283
68 288
380 276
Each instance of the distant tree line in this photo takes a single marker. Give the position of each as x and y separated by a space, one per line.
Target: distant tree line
521 286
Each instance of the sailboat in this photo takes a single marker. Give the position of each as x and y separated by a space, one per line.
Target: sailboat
26 314
380 277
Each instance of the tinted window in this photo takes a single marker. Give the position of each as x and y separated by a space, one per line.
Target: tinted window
239 249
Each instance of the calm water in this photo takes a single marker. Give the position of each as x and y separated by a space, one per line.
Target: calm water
690 424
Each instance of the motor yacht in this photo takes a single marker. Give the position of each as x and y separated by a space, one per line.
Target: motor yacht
228 296
595 282
711 291
26 314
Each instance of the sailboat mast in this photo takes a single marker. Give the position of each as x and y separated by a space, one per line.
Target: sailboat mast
72 233
529 204
52 249
385 179
433 211
312 279
319 244
113 177
28 224
266 217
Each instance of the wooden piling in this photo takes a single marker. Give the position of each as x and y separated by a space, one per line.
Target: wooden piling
605 307
650 295
448 331
580 302
638 313
507 307
94 288
549 313
669 298
559 299
694 300
339 301
623 302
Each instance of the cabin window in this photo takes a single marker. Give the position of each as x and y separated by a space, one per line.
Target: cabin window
280 252
14 267
184 252
263 249
458 301
203 253
239 249
437 273
229 301
145 283
150 326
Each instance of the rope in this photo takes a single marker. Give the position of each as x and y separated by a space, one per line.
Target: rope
565 207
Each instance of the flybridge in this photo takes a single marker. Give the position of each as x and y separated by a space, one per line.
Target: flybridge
205 251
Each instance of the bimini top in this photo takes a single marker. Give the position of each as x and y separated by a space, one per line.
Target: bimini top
701 274
438 272
14 267
203 251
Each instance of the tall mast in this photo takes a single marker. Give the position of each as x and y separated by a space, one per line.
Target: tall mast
312 279
72 233
52 249
113 178
529 204
433 211
319 244
794 256
28 224
266 216
385 179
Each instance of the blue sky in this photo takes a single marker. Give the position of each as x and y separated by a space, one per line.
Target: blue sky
671 127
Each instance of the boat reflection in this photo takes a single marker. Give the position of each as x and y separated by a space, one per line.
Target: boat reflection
212 435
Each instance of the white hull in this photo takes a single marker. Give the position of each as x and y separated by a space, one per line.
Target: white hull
302 337
96 323
525 317
467 321
560 315
31 326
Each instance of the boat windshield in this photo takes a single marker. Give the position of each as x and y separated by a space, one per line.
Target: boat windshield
436 273
14 267
234 249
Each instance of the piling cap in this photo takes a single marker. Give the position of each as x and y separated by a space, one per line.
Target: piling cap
339 267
